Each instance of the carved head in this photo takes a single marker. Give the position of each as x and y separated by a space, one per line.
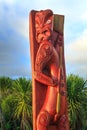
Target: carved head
43 25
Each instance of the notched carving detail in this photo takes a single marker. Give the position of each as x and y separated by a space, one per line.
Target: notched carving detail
44 54
62 122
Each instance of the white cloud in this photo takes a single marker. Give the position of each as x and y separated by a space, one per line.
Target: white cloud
76 54
20 25
83 16
14 14
15 20
9 2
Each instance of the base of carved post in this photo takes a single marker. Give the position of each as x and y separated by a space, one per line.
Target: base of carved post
43 120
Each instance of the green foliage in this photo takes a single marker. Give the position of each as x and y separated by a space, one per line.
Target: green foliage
7 106
5 83
22 99
77 97
16 103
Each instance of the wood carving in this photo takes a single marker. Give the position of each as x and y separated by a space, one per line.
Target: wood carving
48 71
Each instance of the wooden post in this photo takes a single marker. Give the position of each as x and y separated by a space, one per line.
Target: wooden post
48 71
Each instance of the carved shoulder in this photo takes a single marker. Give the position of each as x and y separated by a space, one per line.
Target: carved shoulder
44 54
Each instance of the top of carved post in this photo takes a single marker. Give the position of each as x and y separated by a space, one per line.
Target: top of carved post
58 23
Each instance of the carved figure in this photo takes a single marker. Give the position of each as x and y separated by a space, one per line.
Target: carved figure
48 72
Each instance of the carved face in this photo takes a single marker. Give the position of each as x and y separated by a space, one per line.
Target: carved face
43 25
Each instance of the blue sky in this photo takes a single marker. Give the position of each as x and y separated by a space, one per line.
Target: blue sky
14 35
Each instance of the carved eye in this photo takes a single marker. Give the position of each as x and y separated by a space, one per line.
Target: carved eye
48 21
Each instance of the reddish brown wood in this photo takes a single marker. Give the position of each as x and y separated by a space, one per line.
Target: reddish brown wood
48 71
